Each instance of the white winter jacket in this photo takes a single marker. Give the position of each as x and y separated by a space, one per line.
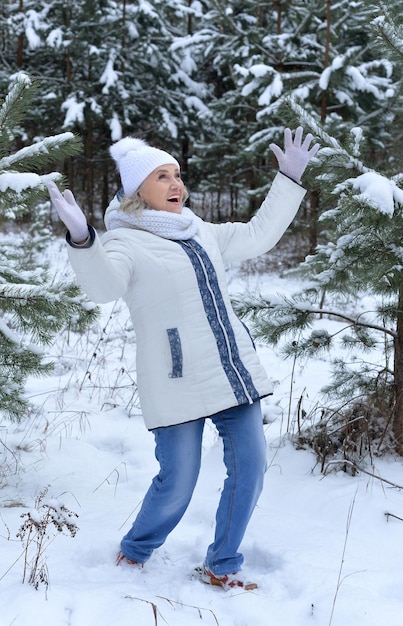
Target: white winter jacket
194 356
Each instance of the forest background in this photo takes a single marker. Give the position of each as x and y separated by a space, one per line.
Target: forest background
204 80
215 83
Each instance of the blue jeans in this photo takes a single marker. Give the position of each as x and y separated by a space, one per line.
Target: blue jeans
178 451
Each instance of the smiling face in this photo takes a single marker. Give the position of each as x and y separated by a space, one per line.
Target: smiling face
163 189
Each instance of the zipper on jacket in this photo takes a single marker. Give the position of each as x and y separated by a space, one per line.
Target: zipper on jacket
224 330
193 247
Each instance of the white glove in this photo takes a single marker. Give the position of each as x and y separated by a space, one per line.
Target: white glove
69 212
293 161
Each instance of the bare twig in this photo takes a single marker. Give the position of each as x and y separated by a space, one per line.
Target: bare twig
157 612
106 480
361 469
38 531
196 608
154 607
388 515
340 579
291 392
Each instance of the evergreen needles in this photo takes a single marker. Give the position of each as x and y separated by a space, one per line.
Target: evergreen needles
33 305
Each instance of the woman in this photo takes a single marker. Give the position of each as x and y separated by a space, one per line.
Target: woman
195 358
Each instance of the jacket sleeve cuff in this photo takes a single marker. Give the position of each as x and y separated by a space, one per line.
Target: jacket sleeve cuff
87 244
297 182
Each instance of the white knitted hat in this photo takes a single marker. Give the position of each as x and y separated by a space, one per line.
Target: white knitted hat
136 160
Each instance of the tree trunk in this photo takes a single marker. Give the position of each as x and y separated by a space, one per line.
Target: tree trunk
68 68
89 167
323 107
20 41
398 378
313 212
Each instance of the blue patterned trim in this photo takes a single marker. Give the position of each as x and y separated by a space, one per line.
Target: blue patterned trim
214 306
176 353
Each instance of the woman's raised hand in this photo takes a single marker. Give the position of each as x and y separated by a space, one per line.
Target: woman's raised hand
69 212
296 155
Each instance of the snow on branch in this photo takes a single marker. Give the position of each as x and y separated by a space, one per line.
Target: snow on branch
18 181
22 82
42 148
378 190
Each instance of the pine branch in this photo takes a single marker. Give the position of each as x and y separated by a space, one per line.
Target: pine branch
15 102
43 153
353 321
391 35
274 319
332 147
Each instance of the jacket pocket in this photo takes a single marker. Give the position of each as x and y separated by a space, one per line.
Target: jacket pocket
176 353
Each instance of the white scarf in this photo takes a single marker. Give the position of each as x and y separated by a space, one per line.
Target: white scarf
176 226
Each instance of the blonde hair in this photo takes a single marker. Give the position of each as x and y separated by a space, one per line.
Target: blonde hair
136 204
132 204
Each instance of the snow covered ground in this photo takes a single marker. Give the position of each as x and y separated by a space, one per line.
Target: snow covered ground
320 548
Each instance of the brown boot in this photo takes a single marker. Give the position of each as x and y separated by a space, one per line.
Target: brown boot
228 581
122 559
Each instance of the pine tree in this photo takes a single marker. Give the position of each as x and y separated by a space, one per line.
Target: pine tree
33 305
260 54
106 70
356 277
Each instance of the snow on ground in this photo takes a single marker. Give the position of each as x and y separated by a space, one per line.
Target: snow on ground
321 549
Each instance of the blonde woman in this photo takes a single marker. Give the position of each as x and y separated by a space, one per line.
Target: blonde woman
195 358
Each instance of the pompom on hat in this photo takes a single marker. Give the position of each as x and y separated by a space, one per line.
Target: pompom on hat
136 160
